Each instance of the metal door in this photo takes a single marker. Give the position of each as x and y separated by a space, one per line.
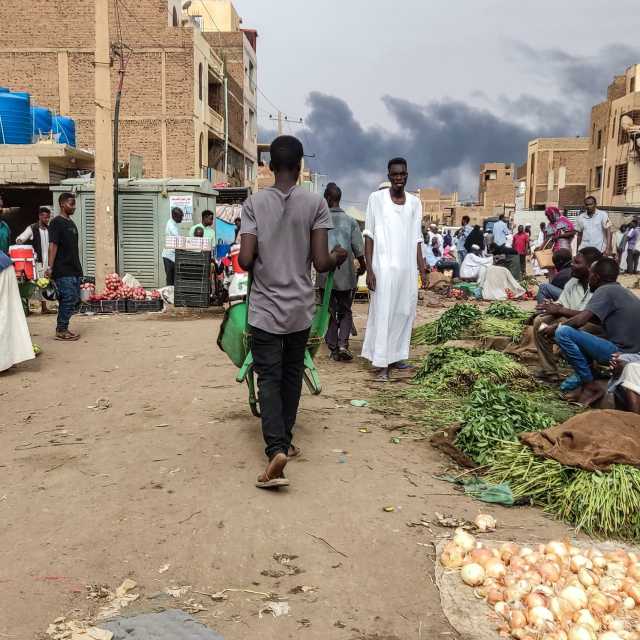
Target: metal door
88 234
138 237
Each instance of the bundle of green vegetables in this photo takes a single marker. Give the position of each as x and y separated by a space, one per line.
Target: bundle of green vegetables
507 311
495 414
452 367
603 504
449 326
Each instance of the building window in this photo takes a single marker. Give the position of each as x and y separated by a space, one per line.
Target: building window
613 125
252 77
590 176
609 178
200 148
599 145
620 180
593 134
175 17
632 84
200 81
598 182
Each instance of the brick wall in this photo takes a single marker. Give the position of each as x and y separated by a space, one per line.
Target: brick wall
236 112
230 47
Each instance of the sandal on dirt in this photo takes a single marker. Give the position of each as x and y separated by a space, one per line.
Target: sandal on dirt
294 451
273 477
67 336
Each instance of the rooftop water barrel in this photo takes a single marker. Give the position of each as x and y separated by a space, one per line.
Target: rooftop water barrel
65 127
41 121
15 118
4 90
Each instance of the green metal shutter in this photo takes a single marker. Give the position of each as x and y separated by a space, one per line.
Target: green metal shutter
89 235
139 237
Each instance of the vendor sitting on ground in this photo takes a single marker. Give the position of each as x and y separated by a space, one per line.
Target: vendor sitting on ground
626 382
432 254
617 310
562 274
472 263
573 299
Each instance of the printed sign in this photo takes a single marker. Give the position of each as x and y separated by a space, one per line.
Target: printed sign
185 203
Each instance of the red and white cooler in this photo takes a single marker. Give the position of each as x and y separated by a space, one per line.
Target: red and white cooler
24 260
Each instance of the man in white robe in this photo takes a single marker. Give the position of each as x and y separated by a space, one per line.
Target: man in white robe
393 235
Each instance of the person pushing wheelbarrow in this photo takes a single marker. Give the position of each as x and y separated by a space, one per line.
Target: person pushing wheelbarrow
283 229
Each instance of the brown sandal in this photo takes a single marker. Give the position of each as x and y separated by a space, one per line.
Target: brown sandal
67 336
273 477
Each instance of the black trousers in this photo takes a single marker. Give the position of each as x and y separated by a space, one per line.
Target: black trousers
341 319
170 271
279 362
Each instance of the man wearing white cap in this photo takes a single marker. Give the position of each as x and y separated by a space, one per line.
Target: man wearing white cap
473 262
393 235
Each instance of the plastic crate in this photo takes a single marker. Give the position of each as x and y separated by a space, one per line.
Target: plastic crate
196 275
192 257
144 306
192 286
103 306
190 300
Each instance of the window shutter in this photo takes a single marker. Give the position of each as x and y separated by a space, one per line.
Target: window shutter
138 240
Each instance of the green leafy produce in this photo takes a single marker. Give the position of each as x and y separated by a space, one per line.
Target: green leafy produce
540 480
494 413
492 327
449 326
447 367
603 503
507 311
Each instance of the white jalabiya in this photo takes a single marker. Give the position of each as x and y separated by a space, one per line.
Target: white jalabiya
15 341
396 232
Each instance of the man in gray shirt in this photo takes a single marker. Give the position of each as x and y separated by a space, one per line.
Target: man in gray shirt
617 310
283 229
347 234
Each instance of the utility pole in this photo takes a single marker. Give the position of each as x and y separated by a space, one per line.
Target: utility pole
279 123
104 230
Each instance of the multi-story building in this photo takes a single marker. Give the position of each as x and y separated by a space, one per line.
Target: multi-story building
614 143
173 104
221 27
436 205
496 192
556 172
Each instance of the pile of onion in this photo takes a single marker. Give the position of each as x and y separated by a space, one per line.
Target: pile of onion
553 591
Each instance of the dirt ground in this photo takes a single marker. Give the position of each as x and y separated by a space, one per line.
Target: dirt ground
164 476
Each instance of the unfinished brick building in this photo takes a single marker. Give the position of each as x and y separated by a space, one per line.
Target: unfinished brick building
496 192
556 172
614 143
172 109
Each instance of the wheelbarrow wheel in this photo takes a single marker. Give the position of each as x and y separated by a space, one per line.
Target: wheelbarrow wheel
254 405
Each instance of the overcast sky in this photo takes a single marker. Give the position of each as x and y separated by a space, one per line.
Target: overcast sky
446 83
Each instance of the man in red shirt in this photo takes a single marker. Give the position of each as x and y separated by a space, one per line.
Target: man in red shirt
521 246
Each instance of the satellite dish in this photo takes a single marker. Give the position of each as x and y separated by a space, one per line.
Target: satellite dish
626 122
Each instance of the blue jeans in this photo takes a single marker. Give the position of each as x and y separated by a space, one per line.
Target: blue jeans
68 298
581 348
548 291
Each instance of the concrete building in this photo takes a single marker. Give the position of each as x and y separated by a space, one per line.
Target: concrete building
496 192
172 109
614 143
436 205
557 172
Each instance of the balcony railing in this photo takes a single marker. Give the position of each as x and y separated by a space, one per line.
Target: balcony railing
215 121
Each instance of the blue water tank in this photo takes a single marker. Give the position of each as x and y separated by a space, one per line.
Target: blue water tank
66 128
4 90
41 121
15 118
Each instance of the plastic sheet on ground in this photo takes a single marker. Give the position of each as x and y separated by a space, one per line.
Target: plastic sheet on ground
172 624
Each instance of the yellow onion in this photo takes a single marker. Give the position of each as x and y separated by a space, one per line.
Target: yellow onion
633 571
452 556
549 571
464 540
580 562
540 617
587 578
517 591
628 603
480 555
533 577
558 548
525 551
517 619
575 596
507 550
581 632
502 609
518 563
533 600
494 568
609 635
472 574
585 617
616 570
618 556
633 590
598 603
485 522
610 585
494 596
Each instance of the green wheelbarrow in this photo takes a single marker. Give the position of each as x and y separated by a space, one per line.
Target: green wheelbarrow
235 340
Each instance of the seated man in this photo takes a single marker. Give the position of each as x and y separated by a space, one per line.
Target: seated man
626 384
573 299
430 252
473 262
563 273
617 310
